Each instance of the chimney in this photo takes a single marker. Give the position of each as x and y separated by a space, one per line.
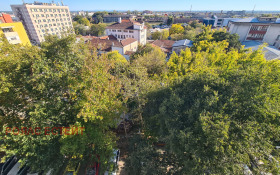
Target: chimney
119 20
113 44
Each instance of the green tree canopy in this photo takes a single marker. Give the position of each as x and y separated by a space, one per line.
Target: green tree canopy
62 84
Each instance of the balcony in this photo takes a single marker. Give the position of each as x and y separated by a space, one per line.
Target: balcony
12 37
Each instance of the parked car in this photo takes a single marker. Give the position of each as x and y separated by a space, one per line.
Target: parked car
8 165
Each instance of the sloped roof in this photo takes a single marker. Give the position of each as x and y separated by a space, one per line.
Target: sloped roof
128 41
165 45
125 24
184 42
105 43
271 52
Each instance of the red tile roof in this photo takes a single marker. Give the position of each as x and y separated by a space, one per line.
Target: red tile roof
125 24
165 45
128 41
105 43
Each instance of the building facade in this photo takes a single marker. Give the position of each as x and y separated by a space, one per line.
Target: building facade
128 29
14 33
40 19
262 29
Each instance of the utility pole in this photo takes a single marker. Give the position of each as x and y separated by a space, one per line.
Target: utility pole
254 9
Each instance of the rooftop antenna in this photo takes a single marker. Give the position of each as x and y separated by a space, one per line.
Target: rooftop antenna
191 9
23 1
62 3
254 9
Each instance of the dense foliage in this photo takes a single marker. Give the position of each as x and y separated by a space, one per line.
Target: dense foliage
62 84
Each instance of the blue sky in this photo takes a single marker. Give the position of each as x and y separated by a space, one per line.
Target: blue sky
74 5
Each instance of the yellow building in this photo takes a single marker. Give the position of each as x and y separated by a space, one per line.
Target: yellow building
14 33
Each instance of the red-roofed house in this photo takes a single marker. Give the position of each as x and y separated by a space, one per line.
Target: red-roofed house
128 29
111 43
5 18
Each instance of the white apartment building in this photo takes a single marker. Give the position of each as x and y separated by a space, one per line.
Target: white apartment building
262 29
128 29
40 19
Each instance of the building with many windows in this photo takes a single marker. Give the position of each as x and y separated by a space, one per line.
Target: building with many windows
262 29
40 19
124 29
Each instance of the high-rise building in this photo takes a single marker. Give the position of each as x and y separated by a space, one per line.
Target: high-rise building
40 19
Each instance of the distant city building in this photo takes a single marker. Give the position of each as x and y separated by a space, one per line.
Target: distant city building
147 12
115 18
82 13
128 29
214 21
40 19
5 18
211 21
14 33
263 29
240 13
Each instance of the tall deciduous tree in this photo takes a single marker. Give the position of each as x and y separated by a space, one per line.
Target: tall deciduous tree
62 84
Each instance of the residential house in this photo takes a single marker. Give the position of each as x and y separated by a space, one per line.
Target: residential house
165 45
110 43
181 45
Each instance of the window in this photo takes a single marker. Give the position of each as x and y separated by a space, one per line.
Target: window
114 30
264 28
51 15
119 31
125 31
254 27
278 37
7 30
130 31
50 10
